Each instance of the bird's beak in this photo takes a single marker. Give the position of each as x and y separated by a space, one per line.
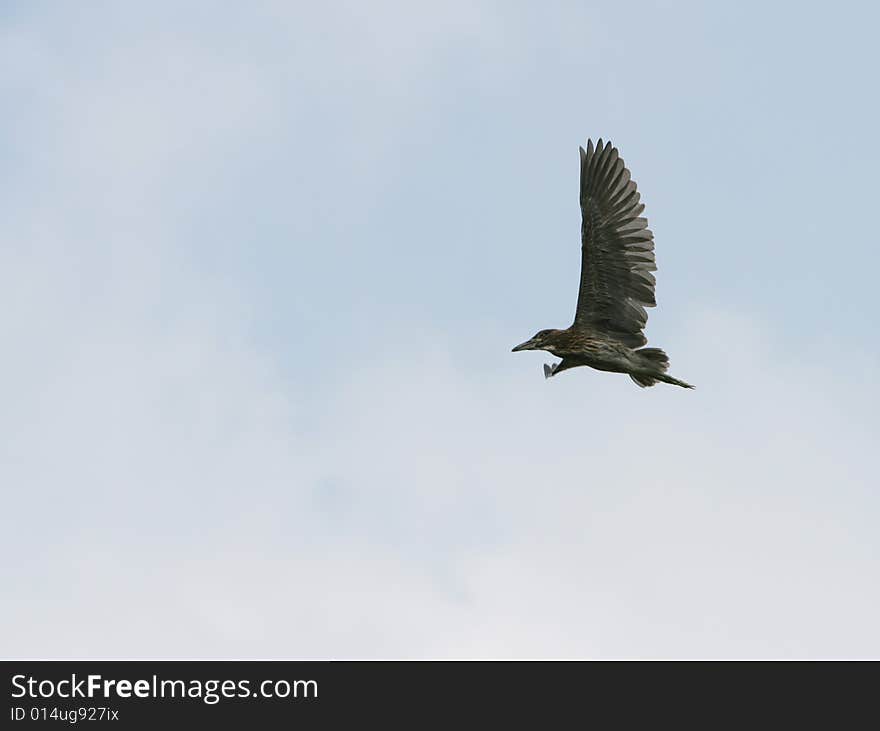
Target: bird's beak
527 345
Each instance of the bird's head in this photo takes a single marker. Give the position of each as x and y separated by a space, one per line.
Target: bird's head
544 340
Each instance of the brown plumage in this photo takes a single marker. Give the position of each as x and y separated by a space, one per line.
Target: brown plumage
617 258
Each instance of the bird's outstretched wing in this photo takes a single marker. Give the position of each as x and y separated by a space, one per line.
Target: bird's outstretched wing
617 249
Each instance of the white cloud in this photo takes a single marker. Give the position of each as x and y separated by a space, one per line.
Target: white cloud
439 511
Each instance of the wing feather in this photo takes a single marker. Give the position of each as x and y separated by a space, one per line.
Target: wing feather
617 248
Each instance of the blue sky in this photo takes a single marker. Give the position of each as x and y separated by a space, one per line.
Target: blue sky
263 267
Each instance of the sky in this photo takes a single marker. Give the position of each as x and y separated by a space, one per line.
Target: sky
262 266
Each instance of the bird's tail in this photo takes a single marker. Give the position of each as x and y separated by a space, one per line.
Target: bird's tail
657 361
674 381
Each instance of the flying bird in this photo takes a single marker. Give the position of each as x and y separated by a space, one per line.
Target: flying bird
617 258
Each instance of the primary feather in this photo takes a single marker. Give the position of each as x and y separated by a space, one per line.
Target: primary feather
617 249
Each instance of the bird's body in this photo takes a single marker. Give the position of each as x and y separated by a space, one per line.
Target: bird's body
617 258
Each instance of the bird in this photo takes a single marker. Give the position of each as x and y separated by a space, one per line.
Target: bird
617 284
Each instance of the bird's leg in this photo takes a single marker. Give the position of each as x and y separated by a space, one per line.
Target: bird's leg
563 365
